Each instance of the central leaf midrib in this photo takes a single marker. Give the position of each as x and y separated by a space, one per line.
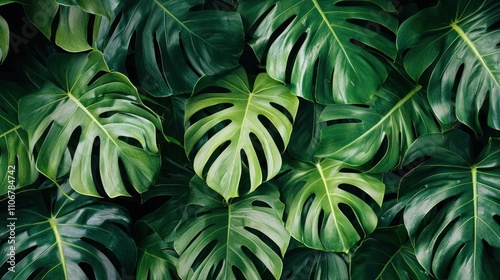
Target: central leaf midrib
94 120
475 198
10 131
323 16
57 235
476 52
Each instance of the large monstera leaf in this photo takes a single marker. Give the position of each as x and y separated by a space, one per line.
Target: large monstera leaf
457 43
314 194
59 238
387 254
14 147
391 121
175 43
331 47
73 16
453 219
244 130
225 240
102 113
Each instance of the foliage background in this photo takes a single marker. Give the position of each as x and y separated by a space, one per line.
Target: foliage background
250 139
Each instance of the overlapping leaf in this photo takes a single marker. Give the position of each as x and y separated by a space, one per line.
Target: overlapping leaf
4 39
387 124
331 47
241 121
176 43
305 263
387 254
457 43
56 238
314 194
104 114
14 147
73 15
224 238
453 218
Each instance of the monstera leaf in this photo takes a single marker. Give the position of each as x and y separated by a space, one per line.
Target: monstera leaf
244 129
395 257
457 42
14 147
72 28
56 238
4 39
304 263
227 240
314 194
391 121
453 219
332 48
103 113
176 43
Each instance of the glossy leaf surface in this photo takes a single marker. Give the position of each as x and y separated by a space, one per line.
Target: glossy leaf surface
104 113
243 130
453 218
329 46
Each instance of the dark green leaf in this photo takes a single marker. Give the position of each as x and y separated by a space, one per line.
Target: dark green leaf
457 43
248 106
313 195
4 39
223 238
332 48
108 114
174 45
55 235
308 264
453 218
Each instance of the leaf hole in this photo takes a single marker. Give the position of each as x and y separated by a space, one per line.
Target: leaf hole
237 272
340 121
496 218
74 139
273 131
214 156
257 263
306 207
187 60
204 253
87 270
349 213
494 26
283 110
259 150
131 141
268 241
260 203
105 250
371 28
292 57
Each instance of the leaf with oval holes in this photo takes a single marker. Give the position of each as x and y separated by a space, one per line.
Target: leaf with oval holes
313 195
176 44
14 147
266 99
224 237
456 44
334 49
59 238
453 218
100 108
387 124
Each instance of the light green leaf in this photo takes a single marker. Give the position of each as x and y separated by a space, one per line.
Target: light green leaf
14 147
333 49
308 264
378 133
224 238
387 254
456 44
175 44
4 39
104 113
55 235
453 218
244 130
313 195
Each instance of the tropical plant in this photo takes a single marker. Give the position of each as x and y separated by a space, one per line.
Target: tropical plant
273 139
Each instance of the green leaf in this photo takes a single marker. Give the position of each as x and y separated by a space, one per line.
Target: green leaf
175 44
453 218
244 130
224 238
55 235
378 133
332 48
14 147
104 113
4 39
71 33
456 44
308 264
387 254
313 195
